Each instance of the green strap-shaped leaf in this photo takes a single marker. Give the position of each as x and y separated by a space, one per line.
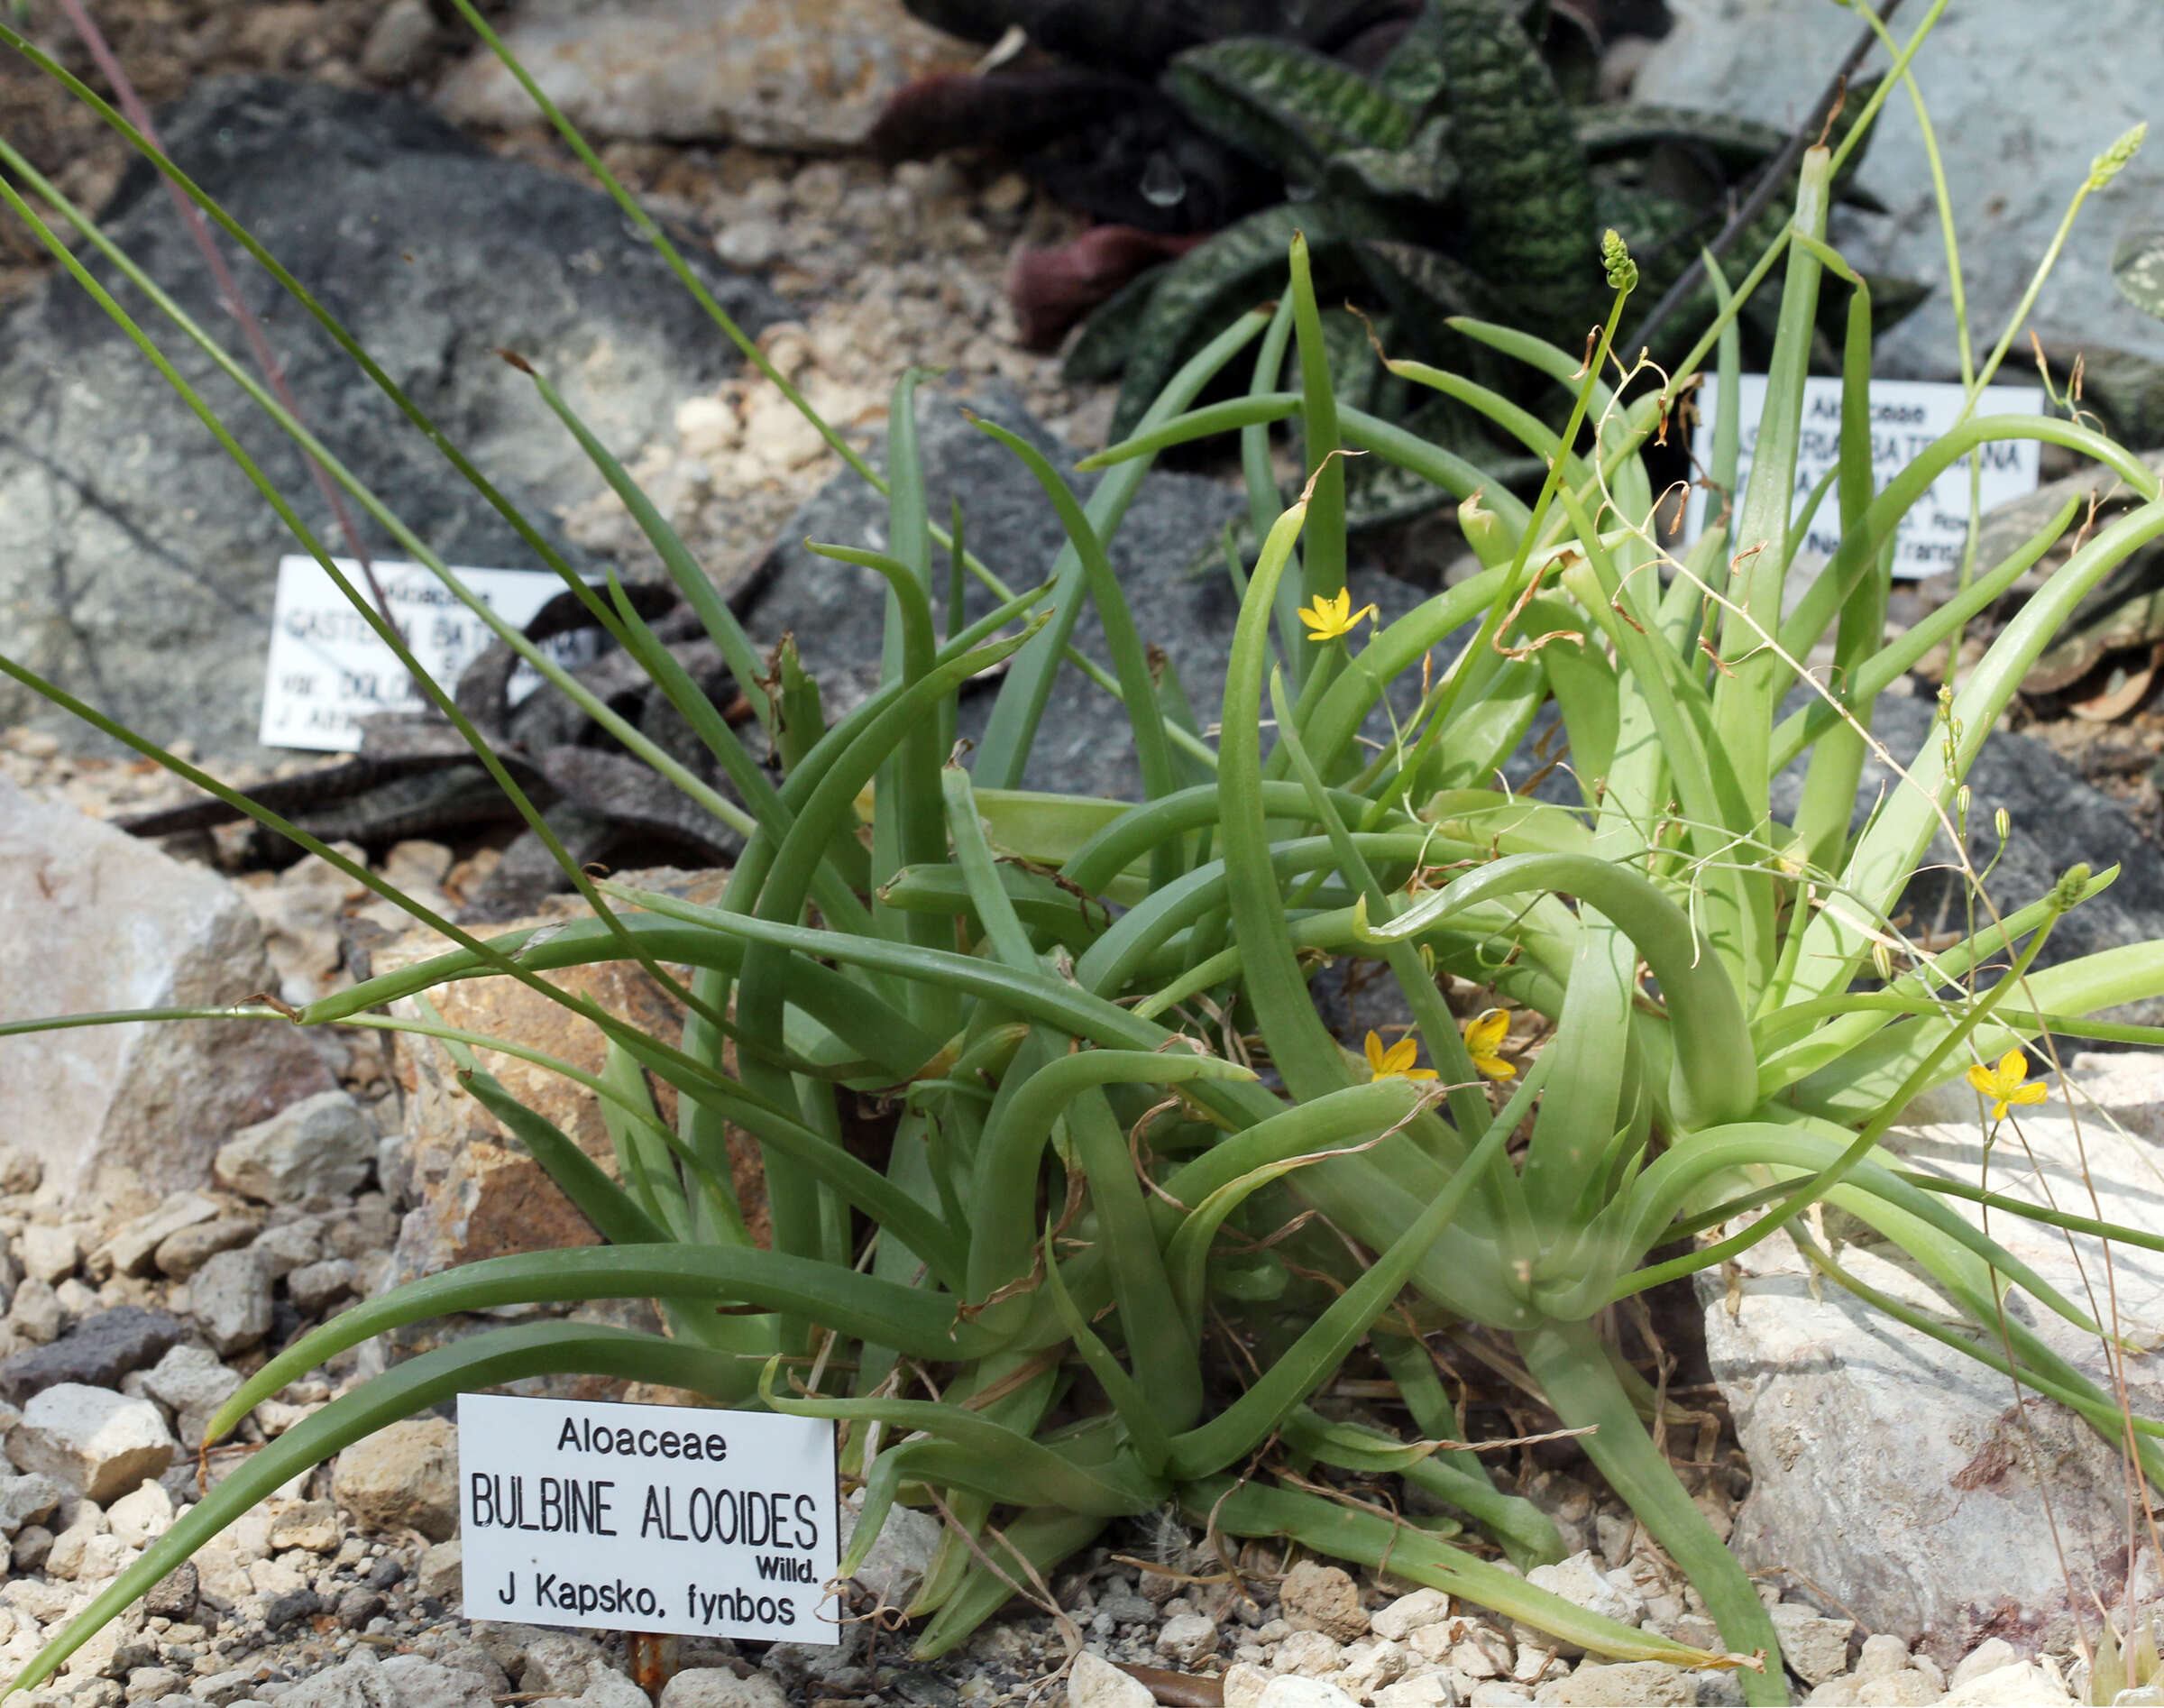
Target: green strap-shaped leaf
915 1321
1572 1367
1608 132
1528 199
988 1456
1411 73
1406 181
1290 106
1042 1538
1256 1509
1717 1078
2138 270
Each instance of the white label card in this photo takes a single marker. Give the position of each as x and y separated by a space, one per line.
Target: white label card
670 1519
1906 416
327 670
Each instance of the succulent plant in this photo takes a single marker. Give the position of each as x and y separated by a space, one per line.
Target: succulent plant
1458 178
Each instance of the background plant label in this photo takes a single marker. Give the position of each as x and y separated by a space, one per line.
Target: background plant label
647 1517
327 670
1906 416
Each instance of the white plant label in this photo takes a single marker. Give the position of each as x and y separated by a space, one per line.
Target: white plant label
671 1519
327 670
1906 416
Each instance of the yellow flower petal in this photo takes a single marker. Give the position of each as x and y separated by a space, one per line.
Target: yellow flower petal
1396 1061
1332 615
1484 1033
2006 1083
1486 1030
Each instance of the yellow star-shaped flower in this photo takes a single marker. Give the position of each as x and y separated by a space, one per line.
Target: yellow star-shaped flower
1483 1035
1333 615
1396 1061
2008 1084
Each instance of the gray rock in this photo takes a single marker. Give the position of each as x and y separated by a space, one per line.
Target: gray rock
315 1285
442 1571
403 1680
21 1170
1186 1638
555 1662
25 1499
289 1606
33 1547
34 1312
2056 818
1094 1682
309 1525
1987 1656
73 1555
192 1384
137 563
51 1253
1166 553
1890 1477
91 920
97 1352
1410 1613
1816 1649
321 1146
132 1250
154 1683
173 1596
718 1688
96 1442
751 242
221 1690
1292 1691
417 1681
230 1298
1638 1684
186 1252
404 1477
814 73
399 43
2012 162
899 1559
295 1245
1314 1597
357 1606
608 1689
140 1518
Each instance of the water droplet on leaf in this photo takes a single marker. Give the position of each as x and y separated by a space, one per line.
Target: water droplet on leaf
1162 184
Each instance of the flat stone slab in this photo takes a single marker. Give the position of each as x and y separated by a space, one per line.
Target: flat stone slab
1896 1480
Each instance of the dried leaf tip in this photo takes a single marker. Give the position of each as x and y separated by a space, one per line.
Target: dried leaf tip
514 358
2113 160
1615 255
1307 495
